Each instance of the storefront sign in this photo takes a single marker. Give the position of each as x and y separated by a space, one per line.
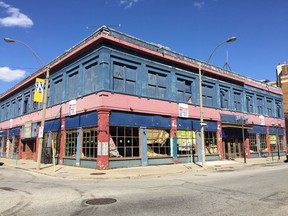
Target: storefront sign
183 110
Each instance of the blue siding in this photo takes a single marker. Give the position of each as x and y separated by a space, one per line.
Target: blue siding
258 129
83 120
139 120
52 125
194 124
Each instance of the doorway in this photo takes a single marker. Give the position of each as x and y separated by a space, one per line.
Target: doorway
232 148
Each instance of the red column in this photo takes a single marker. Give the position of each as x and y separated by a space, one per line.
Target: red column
268 141
37 144
103 139
20 147
173 135
219 140
62 141
247 145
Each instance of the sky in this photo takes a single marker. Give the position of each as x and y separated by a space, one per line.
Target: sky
194 28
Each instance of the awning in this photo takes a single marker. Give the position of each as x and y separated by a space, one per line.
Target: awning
236 126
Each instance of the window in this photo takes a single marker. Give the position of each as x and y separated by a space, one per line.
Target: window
269 107
89 143
249 103
157 85
58 90
184 92
19 105
207 94
158 143
253 143
124 78
278 110
26 104
72 84
263 144
13 109
71 143
260 105
237 100
281 143
124 142
210 143
90 77
8 111
185 140
224 98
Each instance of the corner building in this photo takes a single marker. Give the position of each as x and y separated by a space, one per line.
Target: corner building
118 101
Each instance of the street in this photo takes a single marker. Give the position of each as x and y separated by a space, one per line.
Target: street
257 190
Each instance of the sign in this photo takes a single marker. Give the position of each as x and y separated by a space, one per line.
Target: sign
72 107
28 129
273 139
183 110
41 132
39 89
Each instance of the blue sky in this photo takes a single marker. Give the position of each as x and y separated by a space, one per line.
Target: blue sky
190 27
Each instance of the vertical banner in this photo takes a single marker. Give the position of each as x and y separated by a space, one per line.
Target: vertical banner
183 110
72 107
39 89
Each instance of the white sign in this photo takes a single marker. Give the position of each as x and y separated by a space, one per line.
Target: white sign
72 107
183 110
41 132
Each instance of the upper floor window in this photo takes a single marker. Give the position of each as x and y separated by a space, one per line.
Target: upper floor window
72 84
260 105
237 96
90 76
278 109
58 90
249 103
157 85
208 94
224 98
184 92
26 103
124 78
269 107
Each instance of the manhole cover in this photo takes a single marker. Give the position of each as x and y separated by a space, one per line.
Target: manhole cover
97 173
100 201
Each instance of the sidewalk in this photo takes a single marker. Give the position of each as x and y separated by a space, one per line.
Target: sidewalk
73 172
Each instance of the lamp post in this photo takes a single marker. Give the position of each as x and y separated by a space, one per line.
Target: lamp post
278 143
40 135
203 124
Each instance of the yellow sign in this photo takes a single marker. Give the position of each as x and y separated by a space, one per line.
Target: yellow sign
39 89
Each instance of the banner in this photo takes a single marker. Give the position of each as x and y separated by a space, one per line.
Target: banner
39 89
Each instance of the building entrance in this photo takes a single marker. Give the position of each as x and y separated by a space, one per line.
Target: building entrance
232 148
29 150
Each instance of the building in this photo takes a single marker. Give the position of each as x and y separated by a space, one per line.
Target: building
118 101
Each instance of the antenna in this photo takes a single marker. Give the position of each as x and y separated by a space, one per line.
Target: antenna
98 26
226 65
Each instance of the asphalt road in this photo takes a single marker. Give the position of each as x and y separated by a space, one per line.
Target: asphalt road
259 190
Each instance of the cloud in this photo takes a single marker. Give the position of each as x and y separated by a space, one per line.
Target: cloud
9 75
15 18
199 5
128 3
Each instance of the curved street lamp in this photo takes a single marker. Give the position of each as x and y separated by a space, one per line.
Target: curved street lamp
41 131
202 123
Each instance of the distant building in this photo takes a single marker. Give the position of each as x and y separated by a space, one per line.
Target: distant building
117 101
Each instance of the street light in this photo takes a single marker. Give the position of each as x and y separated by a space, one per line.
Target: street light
203 124
39 60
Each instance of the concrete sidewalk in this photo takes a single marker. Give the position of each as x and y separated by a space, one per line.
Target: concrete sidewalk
73 172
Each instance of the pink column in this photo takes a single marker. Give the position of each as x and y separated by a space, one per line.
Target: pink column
62 140
219 140
103 139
